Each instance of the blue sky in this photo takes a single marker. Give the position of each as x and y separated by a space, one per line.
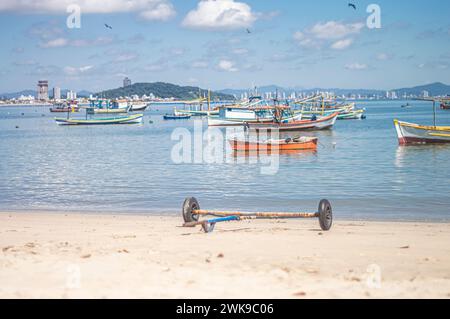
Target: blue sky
308 44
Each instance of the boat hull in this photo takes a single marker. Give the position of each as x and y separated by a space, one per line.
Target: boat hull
138 108
324 123
195 113
410 133
274 146
176 117
134 119
110 111
64 110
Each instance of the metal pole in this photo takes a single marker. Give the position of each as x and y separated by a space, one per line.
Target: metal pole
434 113
258 214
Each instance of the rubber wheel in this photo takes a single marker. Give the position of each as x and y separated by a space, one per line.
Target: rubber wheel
190 204
325 215
208 227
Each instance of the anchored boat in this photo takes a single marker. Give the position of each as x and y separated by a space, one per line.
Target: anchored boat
289 144
128 119
323 123
410 133
65 107
445 104
176 117
138 106
105 106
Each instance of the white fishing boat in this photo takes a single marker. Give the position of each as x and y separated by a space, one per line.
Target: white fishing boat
323 123
138 106
411 133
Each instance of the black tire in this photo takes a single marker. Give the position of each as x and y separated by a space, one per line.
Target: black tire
325 215
208 227
190 204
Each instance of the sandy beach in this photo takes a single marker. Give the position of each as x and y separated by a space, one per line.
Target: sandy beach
73 255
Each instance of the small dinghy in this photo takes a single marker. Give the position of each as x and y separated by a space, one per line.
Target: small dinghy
177 117
289 144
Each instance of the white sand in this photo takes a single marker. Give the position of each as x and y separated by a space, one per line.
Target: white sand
107 256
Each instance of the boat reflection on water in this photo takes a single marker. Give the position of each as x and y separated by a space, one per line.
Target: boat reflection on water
408 154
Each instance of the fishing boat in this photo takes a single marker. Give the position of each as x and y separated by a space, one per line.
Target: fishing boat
445 104
105 106
196 112
407 105
319 106
323 123
138 106
128 119
70 106
410 133
352 115
242 115
289 144
176 117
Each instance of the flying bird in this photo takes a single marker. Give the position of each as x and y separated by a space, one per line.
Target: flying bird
248 31
352 5
108 26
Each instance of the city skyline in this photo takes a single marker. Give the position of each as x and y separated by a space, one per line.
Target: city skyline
241 44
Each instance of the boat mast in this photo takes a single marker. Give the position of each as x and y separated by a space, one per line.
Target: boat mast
209 100
434 112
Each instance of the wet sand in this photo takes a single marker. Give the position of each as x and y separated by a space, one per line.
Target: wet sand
49 255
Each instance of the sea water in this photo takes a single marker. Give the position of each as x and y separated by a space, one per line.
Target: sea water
358 166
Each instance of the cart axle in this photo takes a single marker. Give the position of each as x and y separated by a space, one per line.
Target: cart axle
191 213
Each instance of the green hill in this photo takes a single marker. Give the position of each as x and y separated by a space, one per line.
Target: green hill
163 90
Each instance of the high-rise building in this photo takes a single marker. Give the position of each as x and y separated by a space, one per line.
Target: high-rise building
56 93
426 94
71 95
126 82
42 89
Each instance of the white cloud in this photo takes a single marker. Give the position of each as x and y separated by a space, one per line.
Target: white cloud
55 43
148 9
75 71
126 57
199 64
162 11
384 56
342 44
335 30
227 65
240 51
220 14
356 66
336 34
65 42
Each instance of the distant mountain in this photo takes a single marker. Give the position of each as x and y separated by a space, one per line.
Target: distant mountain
7 96
163 90
434 89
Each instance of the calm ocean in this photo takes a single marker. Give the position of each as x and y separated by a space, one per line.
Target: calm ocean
359 167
